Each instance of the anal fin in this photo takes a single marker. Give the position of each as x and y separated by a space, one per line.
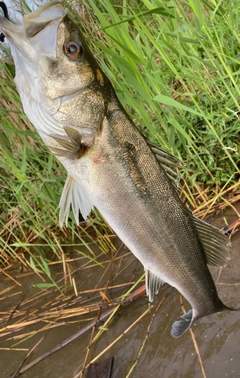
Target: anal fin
153 283
73 195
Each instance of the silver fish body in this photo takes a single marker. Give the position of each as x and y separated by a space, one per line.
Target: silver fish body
110 164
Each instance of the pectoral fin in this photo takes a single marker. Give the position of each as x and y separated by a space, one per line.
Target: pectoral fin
216 245
73 195
153 284
70 146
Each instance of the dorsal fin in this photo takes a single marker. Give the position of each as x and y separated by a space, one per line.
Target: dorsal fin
169 163
73 195
215 244
153 284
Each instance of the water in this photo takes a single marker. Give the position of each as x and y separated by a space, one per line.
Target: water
148 342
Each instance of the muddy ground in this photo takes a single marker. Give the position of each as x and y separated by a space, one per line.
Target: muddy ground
148 344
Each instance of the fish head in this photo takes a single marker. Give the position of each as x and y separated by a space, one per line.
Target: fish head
54 71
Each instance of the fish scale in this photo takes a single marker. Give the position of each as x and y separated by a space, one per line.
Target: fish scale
110 165
158 248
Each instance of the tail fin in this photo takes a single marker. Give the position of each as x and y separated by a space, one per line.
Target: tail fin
181 326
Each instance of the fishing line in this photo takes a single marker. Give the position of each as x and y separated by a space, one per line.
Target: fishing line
5 12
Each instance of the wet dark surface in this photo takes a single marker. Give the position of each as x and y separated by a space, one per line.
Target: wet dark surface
147 348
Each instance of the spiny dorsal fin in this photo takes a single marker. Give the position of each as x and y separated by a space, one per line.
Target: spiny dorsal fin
153 284
215 244
73 195
70 147
169 163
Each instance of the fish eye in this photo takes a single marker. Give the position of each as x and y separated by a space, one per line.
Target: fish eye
73 49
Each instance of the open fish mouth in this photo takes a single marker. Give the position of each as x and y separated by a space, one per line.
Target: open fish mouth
24 38
35 39
33 22
5 12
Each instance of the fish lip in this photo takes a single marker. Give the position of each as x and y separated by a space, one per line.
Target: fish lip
33 23
9 28
23 39
36 21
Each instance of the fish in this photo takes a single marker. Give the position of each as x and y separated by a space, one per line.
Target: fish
110 165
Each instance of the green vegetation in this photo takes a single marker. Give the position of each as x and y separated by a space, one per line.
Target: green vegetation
175 67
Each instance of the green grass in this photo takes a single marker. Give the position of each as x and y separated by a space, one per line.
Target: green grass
175 68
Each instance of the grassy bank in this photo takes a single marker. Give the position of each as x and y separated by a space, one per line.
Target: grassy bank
175 67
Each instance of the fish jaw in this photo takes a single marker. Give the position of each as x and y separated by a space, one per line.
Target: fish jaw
23 39
28 43
52 87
